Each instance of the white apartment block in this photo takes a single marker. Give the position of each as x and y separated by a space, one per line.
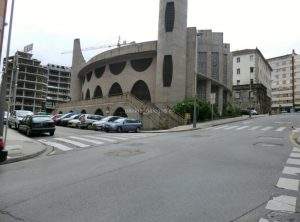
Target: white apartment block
251 80
285 82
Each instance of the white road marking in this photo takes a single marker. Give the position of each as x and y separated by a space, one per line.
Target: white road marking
230 127
291 171
263 220
295 155
102 139
296 149
115 137
87 140
293 161
72 142
289 184
243 127
254 128
221 127
267 128
56 145
280 129
283 204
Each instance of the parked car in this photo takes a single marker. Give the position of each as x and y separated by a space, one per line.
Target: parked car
98 125
65 121
58 118
16 117
253 112
74 123
123 125
37 124
3 152
86 121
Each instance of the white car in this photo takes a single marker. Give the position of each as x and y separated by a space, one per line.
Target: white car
16 116
73 123
99 125
253 112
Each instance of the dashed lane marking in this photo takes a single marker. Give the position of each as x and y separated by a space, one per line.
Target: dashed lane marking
280 129
283 204
293 161
267 128
56 145
295 155
288 184
291 171
243 127
254 128
87 140
72 142
101 138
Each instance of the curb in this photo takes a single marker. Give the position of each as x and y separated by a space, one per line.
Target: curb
199 128
22 158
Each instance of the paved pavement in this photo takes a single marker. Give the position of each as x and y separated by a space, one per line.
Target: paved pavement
233 173
21 147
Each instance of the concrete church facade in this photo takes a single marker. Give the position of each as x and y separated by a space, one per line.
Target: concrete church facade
144 80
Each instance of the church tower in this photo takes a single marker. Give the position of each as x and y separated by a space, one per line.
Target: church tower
171 83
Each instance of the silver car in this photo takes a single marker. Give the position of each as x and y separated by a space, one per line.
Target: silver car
123 125
16 116
98 125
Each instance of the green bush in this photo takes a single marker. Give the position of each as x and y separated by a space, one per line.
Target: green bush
231 111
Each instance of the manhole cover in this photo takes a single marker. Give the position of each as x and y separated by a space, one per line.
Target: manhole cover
125 153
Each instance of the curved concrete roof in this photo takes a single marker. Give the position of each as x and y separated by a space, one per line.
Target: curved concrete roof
132 51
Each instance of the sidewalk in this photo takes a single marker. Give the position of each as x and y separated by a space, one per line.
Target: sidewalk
20 147
204 125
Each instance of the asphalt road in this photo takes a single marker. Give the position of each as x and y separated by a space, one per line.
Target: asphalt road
216 174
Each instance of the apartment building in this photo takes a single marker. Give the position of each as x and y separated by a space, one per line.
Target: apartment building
59 80
251 80
285 82
29 82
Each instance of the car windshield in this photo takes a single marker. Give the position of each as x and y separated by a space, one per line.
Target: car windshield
23 113
105 119
68 115
37 119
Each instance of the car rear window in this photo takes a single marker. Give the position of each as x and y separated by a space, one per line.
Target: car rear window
23 113
41 119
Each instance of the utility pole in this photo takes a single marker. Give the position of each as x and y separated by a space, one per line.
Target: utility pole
4 76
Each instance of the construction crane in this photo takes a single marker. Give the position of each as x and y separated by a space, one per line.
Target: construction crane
119 44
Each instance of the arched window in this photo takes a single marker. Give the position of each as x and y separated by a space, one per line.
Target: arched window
117 68
98 93
115 90
167 71
99 112
120 112
141 65
99 72
88 95
141 91
83 111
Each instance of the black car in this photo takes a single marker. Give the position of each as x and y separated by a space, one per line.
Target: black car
37 124
3 152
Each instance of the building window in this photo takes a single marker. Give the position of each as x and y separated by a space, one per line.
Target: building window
238 59
215 65
283 81
237 95
251 57
238 71
170 16
167 71
283 75
251 69
238 82
251 81
202 62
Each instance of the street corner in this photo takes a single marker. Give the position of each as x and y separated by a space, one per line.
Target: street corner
19 150
295 137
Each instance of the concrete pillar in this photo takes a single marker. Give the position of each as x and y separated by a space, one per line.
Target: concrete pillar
208 90
220 100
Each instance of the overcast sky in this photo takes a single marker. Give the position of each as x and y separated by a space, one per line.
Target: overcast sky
52 25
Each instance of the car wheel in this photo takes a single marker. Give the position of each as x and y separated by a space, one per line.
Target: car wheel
138 130
119 130
28 132
9 126
51 133
16 126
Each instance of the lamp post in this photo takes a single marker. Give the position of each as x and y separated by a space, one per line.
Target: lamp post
4 76
195 104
